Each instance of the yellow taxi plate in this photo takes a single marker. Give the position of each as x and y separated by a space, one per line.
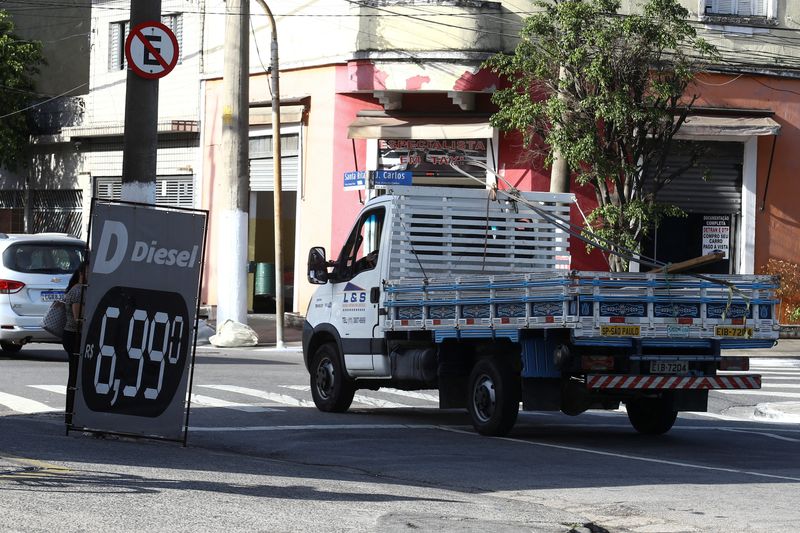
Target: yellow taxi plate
729 331
619 331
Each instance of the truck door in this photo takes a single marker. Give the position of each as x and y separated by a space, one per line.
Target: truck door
355 287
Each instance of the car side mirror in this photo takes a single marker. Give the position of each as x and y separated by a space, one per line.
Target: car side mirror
317 266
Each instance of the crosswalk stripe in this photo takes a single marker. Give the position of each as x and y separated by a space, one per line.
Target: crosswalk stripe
24 405
780 386
57 389
271 396
756 392
413 394
358 398
208 401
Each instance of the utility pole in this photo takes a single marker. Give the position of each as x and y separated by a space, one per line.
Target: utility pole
559 173
231 192
140 140
276 159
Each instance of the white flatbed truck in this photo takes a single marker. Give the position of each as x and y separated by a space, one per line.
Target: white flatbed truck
455 290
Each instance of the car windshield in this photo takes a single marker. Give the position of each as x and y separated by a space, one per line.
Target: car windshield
43 257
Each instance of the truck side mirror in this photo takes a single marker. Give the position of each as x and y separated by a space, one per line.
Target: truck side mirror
317 266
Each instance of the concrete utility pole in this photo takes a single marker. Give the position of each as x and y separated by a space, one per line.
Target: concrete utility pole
140 140
559 173
231 192
276 159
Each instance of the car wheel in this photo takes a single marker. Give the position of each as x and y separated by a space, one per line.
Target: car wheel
494 395
10 347
331 388
651 416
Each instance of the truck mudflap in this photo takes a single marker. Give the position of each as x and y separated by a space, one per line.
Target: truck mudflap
616 381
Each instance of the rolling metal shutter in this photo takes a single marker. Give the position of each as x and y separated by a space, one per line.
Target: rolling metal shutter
261 163
720 193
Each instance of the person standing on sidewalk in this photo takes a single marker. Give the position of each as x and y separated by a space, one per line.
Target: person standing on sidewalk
71 340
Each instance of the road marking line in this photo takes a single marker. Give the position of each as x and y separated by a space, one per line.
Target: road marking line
58 389
780 386
315 427
24 405
42 469
208 401
770 435
358 398
270 396
630 457
775 364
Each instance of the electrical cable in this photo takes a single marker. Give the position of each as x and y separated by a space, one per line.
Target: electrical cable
38 104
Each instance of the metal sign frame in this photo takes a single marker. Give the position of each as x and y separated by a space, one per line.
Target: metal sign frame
142 416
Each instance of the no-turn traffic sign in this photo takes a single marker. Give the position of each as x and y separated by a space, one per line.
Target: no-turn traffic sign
151 50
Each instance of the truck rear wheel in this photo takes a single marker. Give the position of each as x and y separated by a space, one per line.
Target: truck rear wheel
494 395
651 416
331 389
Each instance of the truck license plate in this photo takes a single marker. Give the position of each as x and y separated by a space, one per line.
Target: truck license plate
52 296
614 330
729 331
669 367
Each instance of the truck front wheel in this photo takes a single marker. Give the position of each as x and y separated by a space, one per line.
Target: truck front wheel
494 395
330 387
651 416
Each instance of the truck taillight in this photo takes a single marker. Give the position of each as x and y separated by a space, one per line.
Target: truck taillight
8 286
734 363
597 362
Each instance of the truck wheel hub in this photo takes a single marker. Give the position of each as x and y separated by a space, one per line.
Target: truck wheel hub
483 398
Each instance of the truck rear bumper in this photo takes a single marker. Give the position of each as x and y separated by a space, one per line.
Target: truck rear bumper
615 381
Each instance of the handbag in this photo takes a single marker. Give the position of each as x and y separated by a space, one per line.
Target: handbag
55 319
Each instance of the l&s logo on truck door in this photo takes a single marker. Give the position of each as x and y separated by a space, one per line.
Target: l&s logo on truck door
353 294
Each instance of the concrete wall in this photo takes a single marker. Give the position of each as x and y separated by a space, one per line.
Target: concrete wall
65 35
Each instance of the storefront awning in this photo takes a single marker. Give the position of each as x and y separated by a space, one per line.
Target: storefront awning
709 126
419 128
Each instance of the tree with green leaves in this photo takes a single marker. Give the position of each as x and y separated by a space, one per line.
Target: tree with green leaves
19 62
608 92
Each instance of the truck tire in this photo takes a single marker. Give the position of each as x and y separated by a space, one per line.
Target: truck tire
651 416
331 389
494 395
10 347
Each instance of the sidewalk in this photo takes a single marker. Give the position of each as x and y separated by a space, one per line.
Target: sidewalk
264 326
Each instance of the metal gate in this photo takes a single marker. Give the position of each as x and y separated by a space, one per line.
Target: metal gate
58 211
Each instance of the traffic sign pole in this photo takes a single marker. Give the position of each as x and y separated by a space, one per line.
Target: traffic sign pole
140 140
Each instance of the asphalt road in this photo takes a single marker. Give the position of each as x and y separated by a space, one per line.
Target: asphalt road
260 457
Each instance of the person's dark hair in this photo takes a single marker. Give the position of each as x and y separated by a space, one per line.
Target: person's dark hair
76 276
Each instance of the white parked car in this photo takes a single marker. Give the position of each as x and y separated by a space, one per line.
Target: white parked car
34 271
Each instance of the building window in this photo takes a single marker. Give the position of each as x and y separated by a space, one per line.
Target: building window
118 32
741 8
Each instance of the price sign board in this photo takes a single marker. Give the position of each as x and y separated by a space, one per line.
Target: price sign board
140 311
